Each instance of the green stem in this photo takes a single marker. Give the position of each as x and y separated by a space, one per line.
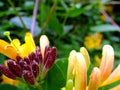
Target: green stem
17 13
49 15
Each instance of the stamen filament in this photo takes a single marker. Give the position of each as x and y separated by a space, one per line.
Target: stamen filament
7 33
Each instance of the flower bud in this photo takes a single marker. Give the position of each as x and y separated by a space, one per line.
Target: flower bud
50 58
31 56
35 68
86 56
69 85
43 43
94 79
39 55
47 50
107 62
26 60
7 72
29 77
14 67
24 65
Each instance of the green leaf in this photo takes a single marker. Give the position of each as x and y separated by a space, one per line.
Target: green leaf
105 28
8 87
74 12
56 77
53 23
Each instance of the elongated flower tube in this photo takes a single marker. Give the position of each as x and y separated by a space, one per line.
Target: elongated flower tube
86 56
71 60
107 62
80 71
94 79
27 61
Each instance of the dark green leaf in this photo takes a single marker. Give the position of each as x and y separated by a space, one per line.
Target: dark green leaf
56 77
74 12
8 87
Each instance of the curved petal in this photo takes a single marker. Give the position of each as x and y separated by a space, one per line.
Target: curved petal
8 50
86 56
30 42
80 72
107 62
94 79
114 76
43 43
16 43
71 60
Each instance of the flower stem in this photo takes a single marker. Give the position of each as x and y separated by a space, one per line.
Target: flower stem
17 13
49 15
34 17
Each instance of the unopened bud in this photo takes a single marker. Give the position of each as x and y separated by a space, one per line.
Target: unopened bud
29 77
14 67
35 68
7 72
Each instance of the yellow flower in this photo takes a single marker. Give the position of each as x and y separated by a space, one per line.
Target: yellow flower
100 76
93 42
15 48
6 80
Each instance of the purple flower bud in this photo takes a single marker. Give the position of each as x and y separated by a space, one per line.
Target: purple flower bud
31 56
29 77
24 65
38 56
53 53
46 53
35 68
14 67
27 60
50 58
7 72
18 58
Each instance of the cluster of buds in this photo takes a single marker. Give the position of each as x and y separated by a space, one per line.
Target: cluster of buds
32 68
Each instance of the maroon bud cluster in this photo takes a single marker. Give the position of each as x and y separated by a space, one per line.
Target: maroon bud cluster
30 67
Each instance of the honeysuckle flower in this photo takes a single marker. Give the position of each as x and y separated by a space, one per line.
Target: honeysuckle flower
93 42
27 61
100 76
6 80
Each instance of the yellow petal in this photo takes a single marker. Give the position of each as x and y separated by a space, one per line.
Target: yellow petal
107 62
43 43
114 76
16 43
8 50
29 42
94 79
71 60
80 72
116 87
24 50
6 80
86 56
